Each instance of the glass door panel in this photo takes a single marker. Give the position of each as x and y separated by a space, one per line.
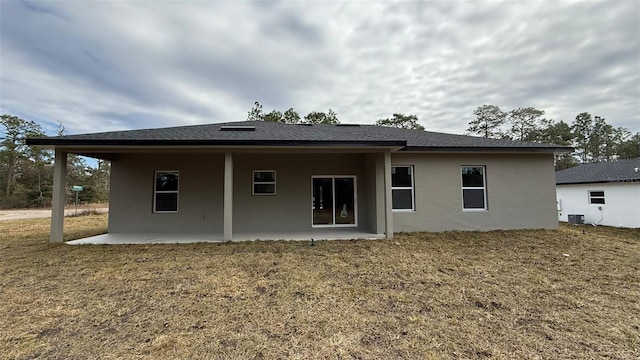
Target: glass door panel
322 201
334 201
345 201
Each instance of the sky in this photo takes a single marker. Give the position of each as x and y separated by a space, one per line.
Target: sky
118 65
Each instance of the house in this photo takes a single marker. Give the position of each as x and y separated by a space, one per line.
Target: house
262 180
605 193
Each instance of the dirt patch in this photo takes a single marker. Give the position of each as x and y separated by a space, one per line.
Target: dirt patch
498 295
21 214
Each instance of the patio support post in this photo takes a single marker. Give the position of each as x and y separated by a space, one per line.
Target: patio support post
387 195
380 195
228 196
59 197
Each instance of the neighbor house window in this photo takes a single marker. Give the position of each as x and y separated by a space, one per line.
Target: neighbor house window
402 193
165 199
264 182
474 191
596 197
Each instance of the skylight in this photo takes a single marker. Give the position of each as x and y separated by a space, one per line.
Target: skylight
237 128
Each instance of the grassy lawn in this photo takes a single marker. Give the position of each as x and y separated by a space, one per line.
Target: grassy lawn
511 294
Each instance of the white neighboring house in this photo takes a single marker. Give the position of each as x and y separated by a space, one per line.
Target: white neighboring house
605 193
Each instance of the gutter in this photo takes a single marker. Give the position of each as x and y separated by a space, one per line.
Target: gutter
485 149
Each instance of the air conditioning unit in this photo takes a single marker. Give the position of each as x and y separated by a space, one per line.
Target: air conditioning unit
576 219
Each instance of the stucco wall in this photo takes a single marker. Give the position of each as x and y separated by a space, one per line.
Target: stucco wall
200 194
520 192
621 208
290 209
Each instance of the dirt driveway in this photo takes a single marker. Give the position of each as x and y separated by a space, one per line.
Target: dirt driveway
41 213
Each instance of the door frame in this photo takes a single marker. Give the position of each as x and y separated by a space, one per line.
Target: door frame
333 195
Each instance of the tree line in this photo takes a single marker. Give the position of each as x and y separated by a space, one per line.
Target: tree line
593 139
291 116
26 172
330 117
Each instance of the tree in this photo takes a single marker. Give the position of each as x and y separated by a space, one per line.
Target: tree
630 149
605 140
26 172
489 119
40 162
100 181
316 117
581 129
13 147
291 117
273 116
613 138
597 139
560 134
255 114
401 121
527 124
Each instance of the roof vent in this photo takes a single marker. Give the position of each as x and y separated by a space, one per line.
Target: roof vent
347 124
636 169
237 128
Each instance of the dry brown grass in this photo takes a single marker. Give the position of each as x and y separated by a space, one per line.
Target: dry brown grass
509 294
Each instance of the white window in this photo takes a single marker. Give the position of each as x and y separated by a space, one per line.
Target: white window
402 189
264 182
165 199
474 191
596 197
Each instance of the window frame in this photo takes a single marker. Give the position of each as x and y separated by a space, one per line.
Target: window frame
592 197
483 188
412 188
156 191
254 183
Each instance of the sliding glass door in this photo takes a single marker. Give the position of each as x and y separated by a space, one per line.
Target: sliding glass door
334 201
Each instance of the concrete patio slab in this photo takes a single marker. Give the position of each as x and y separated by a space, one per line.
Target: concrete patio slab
122 239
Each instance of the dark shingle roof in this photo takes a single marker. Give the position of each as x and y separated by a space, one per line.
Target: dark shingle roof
272 134
418 140
614 171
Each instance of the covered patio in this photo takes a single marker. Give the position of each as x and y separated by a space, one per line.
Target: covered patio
227 212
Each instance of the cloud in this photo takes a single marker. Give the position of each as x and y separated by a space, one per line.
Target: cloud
119 65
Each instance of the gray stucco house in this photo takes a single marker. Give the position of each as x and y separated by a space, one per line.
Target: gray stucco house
247 180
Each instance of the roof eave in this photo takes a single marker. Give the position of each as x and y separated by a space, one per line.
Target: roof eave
600 182
62 142
488 149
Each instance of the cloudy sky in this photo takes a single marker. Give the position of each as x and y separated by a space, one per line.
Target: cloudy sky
107 65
